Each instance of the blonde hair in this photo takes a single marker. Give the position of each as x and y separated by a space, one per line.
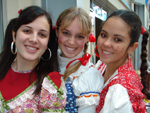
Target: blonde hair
64 20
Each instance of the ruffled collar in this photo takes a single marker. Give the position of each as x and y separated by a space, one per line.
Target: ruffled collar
126 67
63 61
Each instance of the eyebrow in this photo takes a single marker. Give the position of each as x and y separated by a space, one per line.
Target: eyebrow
78 33
114 34
119 35
32 28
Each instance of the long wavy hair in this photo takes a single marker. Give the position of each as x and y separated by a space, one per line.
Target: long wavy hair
64 20
26 16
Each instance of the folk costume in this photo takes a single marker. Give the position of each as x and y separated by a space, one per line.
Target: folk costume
122 91
83 86
16 93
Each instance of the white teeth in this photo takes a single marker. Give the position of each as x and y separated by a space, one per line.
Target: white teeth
70 48
107 52
31 48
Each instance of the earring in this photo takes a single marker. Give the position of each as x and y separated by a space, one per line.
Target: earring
129 59
96 52
87 43
129 56
50 54
12 48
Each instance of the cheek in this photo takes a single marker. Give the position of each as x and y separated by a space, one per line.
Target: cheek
44 44
119 49
81 43
99 42
61 39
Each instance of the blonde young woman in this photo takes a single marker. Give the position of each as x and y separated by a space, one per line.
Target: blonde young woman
83 82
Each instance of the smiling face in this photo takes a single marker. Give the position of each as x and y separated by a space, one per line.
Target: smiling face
31 39
71 40
113 41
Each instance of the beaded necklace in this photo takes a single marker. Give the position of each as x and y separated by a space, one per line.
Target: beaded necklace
27 71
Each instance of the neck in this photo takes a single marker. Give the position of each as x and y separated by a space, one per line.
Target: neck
24 65
111 68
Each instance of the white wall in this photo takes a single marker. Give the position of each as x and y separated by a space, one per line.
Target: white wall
85 4
120 4
55 7
11 8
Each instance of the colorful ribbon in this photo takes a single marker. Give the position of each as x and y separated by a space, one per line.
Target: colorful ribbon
143 30
60 93
92 38
83 60
4 105
19 11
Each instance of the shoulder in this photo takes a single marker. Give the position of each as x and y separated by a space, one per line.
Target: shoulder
89 71
54 77
131 79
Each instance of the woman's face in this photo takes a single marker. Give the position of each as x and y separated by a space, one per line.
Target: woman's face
32 39
113 41
71 40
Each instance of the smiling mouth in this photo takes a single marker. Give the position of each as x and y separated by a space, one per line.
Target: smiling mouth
106 52
71 49
31 48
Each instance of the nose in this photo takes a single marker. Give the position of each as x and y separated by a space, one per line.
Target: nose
108 42
72 40
34 38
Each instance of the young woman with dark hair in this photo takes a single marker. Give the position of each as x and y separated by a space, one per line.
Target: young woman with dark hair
28 64
123 91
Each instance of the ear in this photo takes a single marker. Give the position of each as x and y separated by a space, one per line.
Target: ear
133 47
13 36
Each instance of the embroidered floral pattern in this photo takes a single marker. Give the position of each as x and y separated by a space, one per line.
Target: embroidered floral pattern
26 102
129 79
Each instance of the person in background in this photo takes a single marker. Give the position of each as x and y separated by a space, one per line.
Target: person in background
83 82
29 82
122 88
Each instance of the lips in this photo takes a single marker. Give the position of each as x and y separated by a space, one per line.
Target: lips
106 52
31 48
71 49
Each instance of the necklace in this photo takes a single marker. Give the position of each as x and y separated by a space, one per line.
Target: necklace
27 71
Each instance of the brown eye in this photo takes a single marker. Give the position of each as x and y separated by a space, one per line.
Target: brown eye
65 33
103 35
80 36
42 35
26 31
118 40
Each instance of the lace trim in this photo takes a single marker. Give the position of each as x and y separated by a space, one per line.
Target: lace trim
80 71
89 94
92 99
28 94
22 97
49 85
